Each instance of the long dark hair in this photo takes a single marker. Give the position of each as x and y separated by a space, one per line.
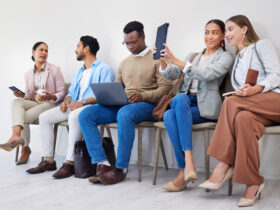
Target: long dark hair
35 46
221 24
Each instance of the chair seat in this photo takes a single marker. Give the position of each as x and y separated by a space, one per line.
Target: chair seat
141 124
65 123
196 127
272 130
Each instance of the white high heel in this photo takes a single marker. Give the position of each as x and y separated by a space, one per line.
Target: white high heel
216 186
250 202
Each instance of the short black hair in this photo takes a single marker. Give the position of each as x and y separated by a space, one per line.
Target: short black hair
91 42
134 26
35 46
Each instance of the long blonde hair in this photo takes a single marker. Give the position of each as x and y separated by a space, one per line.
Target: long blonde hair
250 36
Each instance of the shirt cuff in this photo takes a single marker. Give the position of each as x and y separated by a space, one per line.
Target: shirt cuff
266 85
164 71
57 98
188 64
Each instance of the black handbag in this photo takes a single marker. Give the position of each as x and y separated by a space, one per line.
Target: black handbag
82 161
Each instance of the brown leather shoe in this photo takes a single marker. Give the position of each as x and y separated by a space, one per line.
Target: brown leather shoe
25 152
101 169
112 177
42 167
65 171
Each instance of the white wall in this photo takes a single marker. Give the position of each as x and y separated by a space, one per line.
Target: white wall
61 23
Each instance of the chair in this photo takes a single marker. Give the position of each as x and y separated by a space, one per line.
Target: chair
65 123
205 127
139 127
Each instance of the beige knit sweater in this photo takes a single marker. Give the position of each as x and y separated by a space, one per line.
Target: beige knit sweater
139 74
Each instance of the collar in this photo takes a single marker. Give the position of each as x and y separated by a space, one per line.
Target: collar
144 52
42 68
95 63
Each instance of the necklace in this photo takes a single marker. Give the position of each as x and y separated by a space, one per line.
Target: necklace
242 52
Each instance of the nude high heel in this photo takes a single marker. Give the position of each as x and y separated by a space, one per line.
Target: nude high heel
11 146
172 188
250 202
215 186
190 177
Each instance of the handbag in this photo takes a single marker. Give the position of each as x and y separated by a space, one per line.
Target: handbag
166 99
82 161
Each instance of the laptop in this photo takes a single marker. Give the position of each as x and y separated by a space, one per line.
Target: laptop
109 93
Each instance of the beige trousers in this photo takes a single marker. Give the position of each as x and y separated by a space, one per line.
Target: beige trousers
25 112
241 124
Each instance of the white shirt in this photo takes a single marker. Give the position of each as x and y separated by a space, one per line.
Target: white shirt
201 64
241 71
84 83
143 53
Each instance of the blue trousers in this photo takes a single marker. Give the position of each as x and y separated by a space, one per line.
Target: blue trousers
178 121
126 116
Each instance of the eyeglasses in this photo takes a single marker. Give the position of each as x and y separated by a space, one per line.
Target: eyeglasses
130 43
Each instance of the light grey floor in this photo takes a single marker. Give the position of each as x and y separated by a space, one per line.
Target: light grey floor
19 190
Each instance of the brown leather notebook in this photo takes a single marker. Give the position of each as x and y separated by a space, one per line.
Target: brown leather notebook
252 76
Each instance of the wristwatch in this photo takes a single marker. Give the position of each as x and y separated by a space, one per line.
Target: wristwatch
84 102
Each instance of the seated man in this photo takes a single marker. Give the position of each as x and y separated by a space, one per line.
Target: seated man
79 96
144 86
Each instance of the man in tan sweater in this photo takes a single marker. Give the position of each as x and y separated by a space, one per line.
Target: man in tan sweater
144 85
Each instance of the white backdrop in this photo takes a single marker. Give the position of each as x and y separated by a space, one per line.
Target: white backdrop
61 23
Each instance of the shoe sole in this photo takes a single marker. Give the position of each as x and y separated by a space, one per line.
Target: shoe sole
8 148
41 171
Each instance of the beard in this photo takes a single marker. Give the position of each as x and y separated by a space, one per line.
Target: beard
80 57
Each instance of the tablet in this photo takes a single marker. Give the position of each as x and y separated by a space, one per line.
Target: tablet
161 38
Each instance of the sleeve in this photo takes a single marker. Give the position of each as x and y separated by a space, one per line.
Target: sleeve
107 74
164 85
72 86
119 75
59 84
173 72
270 61
213 71
28 95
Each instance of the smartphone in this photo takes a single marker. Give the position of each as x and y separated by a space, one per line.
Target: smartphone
229 94
13 88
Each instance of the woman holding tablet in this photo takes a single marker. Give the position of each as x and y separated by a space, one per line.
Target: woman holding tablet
199 100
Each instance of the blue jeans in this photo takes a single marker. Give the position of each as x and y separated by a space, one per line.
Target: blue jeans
178 120
126 116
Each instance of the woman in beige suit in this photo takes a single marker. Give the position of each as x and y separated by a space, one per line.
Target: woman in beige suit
245 114
43 78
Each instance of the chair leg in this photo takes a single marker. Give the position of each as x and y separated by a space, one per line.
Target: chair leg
108 132
55 129
101 130
163 154
17 151
158 138
230 187
206 141
140 135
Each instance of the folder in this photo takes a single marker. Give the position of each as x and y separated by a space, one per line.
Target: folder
252 77
161 38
